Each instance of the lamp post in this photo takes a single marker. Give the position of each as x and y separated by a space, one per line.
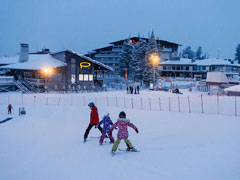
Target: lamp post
154 58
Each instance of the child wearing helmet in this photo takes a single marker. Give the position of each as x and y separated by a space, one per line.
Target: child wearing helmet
107 122
122 124
94 120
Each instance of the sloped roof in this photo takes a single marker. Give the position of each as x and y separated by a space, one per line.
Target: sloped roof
35 62
87 58
233 88
203 62
8 60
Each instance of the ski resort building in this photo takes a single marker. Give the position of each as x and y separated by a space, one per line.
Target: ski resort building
188 68
60 71
110 55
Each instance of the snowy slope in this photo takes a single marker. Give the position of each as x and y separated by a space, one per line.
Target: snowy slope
47 144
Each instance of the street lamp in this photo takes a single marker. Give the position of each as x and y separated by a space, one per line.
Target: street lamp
154 58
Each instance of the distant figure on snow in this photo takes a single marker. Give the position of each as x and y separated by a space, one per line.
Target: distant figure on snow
138 89
9 108
94 120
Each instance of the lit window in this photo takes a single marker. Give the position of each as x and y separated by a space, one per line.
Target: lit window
80 77
73 78
90 77
85 77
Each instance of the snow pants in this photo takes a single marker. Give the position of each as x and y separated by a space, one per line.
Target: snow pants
117 142
89 128
103 136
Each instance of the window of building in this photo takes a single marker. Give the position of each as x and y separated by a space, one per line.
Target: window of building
85 77
73 78
80 77
90 77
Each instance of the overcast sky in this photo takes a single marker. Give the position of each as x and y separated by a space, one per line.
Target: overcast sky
84 25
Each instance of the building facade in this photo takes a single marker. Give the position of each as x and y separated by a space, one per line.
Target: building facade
111 54
60 71
187 68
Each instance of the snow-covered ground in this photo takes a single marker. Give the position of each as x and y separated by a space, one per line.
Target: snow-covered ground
47 143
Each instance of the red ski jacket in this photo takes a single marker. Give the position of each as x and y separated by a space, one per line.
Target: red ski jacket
94 119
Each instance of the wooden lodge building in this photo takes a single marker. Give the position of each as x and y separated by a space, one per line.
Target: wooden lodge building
60 71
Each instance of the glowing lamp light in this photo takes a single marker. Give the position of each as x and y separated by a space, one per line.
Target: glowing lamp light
47 70
155 58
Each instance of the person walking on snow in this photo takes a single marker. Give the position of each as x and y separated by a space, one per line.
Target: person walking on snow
9 108
94 120
107 122
122 124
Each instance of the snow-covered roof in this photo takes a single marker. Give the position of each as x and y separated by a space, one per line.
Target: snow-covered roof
203 62
35 62
233 88
87 58
216 77
177 62
8 60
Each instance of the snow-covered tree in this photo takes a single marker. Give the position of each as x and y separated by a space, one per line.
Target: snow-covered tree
126 59
237 54
148 65
139 59
198 53
188 53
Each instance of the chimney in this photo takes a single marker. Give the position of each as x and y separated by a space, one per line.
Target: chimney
23 57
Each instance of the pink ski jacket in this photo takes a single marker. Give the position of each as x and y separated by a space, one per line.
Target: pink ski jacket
122 124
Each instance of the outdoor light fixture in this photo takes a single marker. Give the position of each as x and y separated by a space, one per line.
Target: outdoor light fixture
155 59
47 70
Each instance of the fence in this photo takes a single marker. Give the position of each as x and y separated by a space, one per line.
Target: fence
227 105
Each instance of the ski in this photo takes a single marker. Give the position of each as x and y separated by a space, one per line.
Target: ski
134 150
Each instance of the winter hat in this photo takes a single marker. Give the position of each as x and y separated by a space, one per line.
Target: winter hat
122 114
91 104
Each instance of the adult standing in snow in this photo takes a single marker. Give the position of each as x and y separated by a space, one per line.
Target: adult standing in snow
94 120
9 108
122 124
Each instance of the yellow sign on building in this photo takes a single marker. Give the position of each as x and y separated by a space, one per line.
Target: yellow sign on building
85 65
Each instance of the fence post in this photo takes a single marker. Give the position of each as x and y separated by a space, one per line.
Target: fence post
59 100
107 101
116 102
34 99
179 109
189 106
124 102
217 103
235 105
160 107
169 104
141 104
202 103
95 99
132 102
150 105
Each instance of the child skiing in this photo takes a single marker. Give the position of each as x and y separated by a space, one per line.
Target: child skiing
107 122
122 124
94 120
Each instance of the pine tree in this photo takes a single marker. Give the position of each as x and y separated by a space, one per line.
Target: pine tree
188 53
139 59
148 65
237 54
126 59
198 53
